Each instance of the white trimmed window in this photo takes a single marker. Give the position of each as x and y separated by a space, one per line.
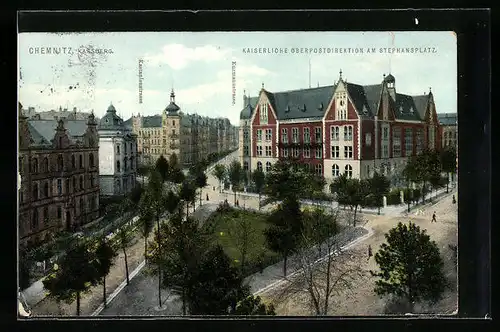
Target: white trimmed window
347 133
318 152
385 151
318 168
334 133
259 135
368 139
385 133
284 135
307 135
408 142
396 142
307 152
268 151
348 152
269 134
263 113
296 152
348 171
295 135
317 134
268 166
419 139
285 152
259 150
259 166
335 152
335 170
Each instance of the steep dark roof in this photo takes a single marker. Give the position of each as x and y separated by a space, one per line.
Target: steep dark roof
246 112
43 131
405 108
365 98
128 123
151 121
389 78
111 121
172 108
447 119
421 105
296 104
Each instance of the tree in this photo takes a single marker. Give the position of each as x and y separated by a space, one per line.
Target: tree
146 218
125 236
244 236
135 195
219 172
187 194
356 193
410 266
283 234
142 171
173 161
448 161
326 271
218 287
259 180
252 306
76 274
379 187
162 166
285 180
339 187
24 270
200 179
235 175
105 255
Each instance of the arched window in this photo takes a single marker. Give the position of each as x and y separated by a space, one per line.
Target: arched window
81 182
45 164
348 171
335 170
318 168
46 189
35 191
118 169
268 166
60 163
34 165
80 158
73 162
91 160
259 166
34 219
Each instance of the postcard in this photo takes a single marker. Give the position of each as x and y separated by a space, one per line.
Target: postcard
237 174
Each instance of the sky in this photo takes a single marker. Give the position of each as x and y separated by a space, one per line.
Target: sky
92 70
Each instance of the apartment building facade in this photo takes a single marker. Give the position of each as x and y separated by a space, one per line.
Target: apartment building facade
59 170
342 128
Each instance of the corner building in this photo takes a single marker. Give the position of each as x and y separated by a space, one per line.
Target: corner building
342 128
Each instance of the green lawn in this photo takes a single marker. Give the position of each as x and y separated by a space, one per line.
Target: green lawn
223 221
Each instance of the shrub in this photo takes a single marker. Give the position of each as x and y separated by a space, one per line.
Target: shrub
393 198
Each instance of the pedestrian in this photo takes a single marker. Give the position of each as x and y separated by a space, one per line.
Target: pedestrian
237 203
260 263
434 217
370 254
207 197
454 200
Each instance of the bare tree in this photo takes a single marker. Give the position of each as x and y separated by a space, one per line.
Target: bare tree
244 237
324 270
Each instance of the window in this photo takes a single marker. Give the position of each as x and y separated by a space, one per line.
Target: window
34 220
307 135
295 135
317 134
59 187
335 170
268 166
348 152
117 149
269 134
80 161
74 184
245 134
318 169
81 206
335 152
284 135
67 186
419 139
118 168
73 162
348 171
125 164
91 180
368 139
396 142
259 135
307 152
368 170
46 189
285 152
34 165
91 160
335 133
259 150
245 150
408 142
385 151
45 214
268 151
59 213
45 164
259 166
263 113
81 183
245 165
385 133
318 152
347 133
35 191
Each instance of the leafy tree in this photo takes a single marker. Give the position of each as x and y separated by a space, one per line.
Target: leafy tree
314 185
357 190
146 218
135 195
187 194
218 287
143 171
173 161
162 166
77 273
410 266
244 236
253 306
219 172
259 180
199 179
284 233
125 236
172 202
24 269
105 254
339 187
285 180
235 174
449 161
379 187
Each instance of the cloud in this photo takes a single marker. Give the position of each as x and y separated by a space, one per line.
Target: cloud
178 56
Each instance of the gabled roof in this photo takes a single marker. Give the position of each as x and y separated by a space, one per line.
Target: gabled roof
111 121
405 107
447 119
421 104
365 98
151 121
43 131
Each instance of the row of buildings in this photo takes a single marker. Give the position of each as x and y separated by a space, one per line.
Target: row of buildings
342 128
66 164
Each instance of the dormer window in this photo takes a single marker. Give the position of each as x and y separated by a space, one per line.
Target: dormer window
411 110
400 109
304 108
320 107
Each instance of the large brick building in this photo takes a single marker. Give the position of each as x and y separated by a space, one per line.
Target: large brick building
342 128
59 169
190 136
449 129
